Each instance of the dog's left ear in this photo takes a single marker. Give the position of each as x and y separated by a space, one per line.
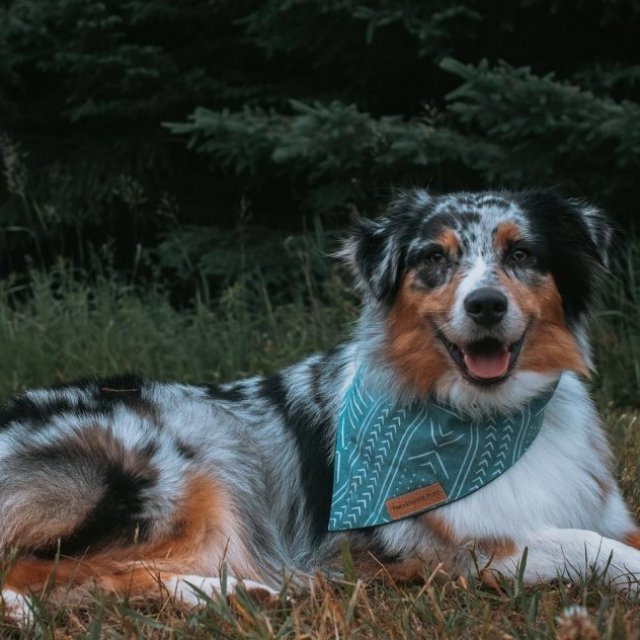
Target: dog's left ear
599 228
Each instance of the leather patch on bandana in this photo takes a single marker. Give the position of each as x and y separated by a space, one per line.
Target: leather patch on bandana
415 501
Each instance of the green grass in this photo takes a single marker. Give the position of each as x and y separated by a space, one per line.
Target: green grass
60 327
617 332
441 607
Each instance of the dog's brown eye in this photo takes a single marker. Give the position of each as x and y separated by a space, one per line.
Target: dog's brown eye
519 255
436 257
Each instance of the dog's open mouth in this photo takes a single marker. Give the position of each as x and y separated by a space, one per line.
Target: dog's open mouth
485 362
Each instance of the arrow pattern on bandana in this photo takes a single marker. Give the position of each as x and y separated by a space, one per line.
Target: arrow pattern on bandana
385 451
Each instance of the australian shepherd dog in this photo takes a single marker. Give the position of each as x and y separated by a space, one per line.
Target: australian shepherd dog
477 300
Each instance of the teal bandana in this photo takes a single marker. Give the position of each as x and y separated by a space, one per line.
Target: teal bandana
394 461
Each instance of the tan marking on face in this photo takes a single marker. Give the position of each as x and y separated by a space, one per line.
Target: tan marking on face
507 232
449 241
413 347
549 345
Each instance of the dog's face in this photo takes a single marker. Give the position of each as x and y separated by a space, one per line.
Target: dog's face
479 289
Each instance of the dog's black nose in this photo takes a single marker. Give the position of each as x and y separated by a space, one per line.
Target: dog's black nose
486 306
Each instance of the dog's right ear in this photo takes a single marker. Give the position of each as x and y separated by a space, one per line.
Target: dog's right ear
376 252
376 249
369 252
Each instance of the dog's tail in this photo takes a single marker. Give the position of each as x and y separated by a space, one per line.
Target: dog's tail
105 495
78 492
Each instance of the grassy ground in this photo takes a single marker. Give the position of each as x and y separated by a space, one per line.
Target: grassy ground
60 328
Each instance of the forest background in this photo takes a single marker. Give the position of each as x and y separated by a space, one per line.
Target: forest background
176 172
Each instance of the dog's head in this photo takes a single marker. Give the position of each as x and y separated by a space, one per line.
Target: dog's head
483 295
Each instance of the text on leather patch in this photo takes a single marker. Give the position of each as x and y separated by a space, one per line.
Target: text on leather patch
415 501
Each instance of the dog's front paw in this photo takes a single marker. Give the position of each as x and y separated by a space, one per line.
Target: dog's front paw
16 608
258 593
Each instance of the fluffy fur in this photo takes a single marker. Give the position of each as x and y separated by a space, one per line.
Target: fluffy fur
136 486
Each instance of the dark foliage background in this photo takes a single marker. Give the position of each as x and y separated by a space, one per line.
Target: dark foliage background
167 134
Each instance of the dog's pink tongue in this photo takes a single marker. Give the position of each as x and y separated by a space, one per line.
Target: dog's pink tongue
488 365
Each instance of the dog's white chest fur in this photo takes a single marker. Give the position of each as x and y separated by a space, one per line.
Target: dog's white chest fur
561 481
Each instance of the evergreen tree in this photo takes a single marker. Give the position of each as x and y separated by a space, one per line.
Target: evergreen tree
151 122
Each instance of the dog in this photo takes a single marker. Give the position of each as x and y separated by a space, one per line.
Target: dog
478 302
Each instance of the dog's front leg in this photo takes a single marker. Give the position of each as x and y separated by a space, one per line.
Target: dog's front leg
187 590
570 554
190 590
